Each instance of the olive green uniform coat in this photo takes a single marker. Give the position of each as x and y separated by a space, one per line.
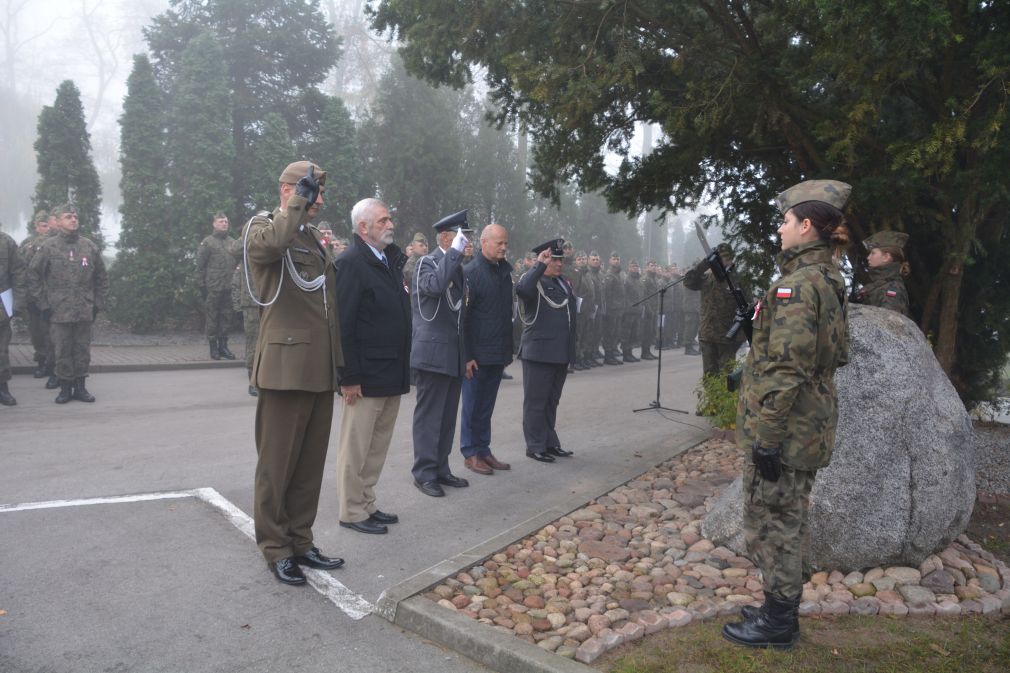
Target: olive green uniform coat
788 400
613 293
38 327
12 277
585 288
297 354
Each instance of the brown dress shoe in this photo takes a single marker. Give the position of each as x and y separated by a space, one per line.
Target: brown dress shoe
477 464
495 464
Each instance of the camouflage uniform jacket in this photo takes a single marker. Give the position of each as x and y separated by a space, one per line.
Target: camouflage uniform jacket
584 287
409 268
717 309
240 298
67 276
215 261
788 396
634 291
27 251
650 283
613 291
886 289
12 275
595 277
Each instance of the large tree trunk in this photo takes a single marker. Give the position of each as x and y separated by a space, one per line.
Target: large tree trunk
946 333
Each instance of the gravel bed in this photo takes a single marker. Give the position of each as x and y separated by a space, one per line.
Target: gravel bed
992 458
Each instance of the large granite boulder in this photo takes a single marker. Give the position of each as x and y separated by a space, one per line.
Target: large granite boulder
901 483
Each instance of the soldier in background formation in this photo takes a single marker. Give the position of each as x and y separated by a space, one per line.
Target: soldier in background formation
717 310
594 339
690 307
12 300
417 249
650 286
585 289
38 327
68 280
888 269
631 318
613 295
215 265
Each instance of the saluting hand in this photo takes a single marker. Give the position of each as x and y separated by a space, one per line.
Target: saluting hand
308 187
544 256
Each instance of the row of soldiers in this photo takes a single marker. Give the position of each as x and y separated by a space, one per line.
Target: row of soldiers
618 310
57 280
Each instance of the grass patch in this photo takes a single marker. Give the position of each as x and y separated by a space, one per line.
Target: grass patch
830 645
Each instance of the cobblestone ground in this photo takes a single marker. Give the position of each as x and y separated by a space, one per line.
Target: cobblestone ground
633 562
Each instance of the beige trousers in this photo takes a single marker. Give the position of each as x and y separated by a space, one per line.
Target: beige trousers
366 429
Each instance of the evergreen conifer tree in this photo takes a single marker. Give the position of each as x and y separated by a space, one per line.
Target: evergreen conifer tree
335 148
66 169
149 266
200 148
272 151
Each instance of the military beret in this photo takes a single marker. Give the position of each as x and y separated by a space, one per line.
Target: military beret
831 192
298 170
555 244
41 216
453 222
63 209
615 254
886 239
420 238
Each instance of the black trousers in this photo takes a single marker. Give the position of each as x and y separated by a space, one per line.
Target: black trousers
542 386
434 423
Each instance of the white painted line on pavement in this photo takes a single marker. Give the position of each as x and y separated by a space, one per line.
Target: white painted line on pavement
352 605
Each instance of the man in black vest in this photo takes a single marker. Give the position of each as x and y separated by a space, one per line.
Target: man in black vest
547 348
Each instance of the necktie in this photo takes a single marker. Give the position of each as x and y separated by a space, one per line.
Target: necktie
385 261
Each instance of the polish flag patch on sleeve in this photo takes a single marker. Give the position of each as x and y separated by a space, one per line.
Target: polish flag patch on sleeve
892 293
784 293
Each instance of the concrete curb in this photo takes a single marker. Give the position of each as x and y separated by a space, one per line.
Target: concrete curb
401 604
145 367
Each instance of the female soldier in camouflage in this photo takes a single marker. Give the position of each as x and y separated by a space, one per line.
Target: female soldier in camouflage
887 269
788 403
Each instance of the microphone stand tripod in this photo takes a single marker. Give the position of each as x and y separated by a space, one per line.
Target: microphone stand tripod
655 405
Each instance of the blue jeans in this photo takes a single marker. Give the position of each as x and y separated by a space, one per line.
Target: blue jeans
479 396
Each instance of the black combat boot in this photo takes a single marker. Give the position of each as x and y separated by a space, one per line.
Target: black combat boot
215 353
751 612
776 625
6 398
609 359
81 393
66 391
630 357
222 348
41 371
52 383
647 354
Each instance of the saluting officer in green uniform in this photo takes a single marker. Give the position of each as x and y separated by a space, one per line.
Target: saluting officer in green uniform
68 280
294 370
888 269
215 265
788 405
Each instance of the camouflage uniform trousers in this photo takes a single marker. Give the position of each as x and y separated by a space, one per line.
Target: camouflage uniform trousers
611 332
715 355
631 325
673 329
251 326
775 528
647 330
690 330
38 328
597 339
583 335
72 341
5 356
219 312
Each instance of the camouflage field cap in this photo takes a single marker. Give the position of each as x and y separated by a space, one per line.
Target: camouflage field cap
616 254
724 249
886 239
298 170
324 226
831 192
568 246
420 238
63 209
41 216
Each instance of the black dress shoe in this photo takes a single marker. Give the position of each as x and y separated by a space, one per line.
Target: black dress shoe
429 488
454 481
378 516
314 558
558 451
287 571
506 376
542 456
366 526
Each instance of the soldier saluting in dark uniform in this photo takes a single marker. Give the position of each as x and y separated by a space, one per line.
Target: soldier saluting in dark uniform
547 348
788 405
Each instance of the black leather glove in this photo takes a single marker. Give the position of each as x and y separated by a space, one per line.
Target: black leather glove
768 461
308 187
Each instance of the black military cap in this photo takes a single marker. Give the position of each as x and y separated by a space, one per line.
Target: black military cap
555 244
453 222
